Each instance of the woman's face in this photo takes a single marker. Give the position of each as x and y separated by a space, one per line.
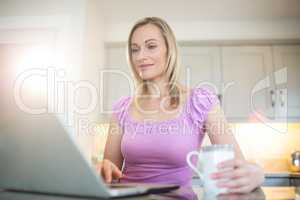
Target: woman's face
149 52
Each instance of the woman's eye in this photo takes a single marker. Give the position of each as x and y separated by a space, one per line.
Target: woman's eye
152 46
134 50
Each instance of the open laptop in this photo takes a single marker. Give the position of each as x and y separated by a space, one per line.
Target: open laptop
38 155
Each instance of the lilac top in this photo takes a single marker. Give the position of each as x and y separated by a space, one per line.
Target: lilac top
155 151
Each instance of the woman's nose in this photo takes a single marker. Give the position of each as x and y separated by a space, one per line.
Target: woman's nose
142 54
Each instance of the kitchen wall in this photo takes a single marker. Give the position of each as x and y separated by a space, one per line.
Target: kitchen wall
85 26
266 145
229 22
269 145
208 20
62 23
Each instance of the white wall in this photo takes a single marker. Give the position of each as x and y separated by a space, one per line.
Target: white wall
208 20
38 8
81 28
64 17
93 62
63 24
218 30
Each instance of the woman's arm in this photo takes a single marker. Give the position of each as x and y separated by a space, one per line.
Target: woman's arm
243 176
110 167
219 132
112 150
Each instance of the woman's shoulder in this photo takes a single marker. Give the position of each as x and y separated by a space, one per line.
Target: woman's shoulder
199 93
202 100
202 92
204 96
121 103
119 109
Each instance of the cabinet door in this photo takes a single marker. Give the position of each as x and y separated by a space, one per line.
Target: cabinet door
276 181
295 181
287 80
117 77
201 67
247 82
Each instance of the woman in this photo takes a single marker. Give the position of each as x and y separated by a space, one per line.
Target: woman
152 132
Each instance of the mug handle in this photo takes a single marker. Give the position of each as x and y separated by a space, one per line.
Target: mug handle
194 168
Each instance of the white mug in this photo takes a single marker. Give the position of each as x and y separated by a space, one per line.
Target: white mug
210 157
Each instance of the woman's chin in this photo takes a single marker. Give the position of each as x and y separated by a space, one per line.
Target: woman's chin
147 76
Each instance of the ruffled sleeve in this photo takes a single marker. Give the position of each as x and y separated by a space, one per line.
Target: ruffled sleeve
202 101
120 109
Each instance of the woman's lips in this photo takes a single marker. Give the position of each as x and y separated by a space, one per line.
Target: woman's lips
145 66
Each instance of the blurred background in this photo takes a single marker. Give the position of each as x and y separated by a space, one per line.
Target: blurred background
68 57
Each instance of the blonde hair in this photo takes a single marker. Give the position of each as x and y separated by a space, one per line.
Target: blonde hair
172 64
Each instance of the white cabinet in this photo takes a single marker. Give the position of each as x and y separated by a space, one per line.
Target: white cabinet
200 66
287 81
116 77
247 81
255 82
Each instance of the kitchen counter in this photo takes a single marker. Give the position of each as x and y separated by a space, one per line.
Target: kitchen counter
191 193
282 179
271 179
286 174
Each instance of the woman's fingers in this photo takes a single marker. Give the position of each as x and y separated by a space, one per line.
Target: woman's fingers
230 169
233 163
243 189
235 183
238 176
116 172
229 174
107 171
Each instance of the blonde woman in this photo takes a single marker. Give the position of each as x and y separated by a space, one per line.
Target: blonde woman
152 132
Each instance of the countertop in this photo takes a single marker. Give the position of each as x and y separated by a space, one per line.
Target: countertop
271 179
185 193
282 174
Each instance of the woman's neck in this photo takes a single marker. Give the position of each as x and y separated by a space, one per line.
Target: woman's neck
158 89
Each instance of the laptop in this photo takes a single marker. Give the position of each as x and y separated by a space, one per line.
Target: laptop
38 155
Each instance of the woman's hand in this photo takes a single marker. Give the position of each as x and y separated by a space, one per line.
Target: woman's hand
255 195
242 176
108 170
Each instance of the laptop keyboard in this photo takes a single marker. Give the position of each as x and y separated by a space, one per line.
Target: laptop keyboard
120 186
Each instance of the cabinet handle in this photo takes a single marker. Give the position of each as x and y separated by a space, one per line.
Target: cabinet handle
272 97
219 97
292 183
281 98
